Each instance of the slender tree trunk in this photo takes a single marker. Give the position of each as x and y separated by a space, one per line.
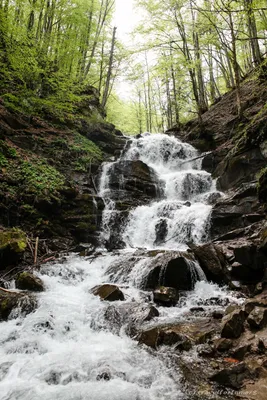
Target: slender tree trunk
106 90
253 33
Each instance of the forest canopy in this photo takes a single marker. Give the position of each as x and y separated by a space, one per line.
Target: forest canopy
185 55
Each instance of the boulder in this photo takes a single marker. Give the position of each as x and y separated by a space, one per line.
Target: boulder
240 352
182 335
233 324
11 300
232 377
223 344
28 281
212 262
257 319
178 270
108 292
165 296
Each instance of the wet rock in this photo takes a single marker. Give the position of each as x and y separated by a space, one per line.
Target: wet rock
218 314
223 344
104 376
161 231
10 301
194 184
233 324
182 335
240 352
165 296
131 316
149 337
134 178
169 337
232 377
257 319
213 262
156 337
108 292
173 269
207 351
256 302
28 281
216 301
231 308
13 243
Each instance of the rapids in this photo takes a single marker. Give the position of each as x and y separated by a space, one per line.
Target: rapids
64 349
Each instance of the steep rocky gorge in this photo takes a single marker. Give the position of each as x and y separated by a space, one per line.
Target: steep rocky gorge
214 339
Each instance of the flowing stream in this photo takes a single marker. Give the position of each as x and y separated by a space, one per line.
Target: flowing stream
66 349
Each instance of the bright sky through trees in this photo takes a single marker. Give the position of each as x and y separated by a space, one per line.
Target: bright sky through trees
125 18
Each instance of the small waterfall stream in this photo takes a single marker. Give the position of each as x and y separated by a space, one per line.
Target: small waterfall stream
66 349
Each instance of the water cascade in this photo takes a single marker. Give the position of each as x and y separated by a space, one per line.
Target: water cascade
67 349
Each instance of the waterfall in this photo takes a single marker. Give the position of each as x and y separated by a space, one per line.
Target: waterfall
181 215
67 349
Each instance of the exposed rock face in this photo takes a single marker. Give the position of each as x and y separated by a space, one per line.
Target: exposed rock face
27 281
108 292
131 183
10 301
241 168
239 209
133 180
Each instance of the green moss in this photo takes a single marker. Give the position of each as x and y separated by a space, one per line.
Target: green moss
4 305
13 238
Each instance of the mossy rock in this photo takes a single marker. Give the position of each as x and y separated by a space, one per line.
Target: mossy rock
27 281
10 301
13 243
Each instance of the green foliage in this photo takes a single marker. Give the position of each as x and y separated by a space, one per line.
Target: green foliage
3 161
36 178
6 152
40 178
47 54
85 152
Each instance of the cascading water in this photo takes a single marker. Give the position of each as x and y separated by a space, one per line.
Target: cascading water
182 215
66 349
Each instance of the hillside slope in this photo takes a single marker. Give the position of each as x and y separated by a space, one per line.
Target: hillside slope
47 170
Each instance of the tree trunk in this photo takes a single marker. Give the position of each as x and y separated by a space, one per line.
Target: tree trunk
110 64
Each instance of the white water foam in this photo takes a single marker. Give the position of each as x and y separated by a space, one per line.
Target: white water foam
54 353
183 213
